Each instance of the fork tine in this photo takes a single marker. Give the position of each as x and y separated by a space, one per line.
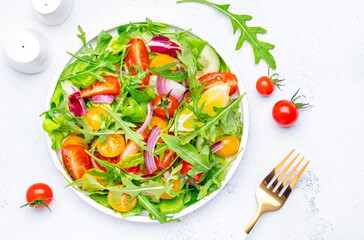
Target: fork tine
284 172
294 181
270 176
289 175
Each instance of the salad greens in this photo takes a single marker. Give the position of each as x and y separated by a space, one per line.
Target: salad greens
261 49
125 142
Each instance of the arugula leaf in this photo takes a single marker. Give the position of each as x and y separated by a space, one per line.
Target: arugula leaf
126 127
82 36
188 153
132 190
221 112
260 49
154 212
216 177
173 75
89 184
232 124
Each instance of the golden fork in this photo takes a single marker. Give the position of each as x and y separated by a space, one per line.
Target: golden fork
270 197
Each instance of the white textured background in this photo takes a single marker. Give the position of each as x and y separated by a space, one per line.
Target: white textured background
319 48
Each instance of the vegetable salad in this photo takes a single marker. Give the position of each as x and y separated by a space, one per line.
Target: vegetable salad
146 120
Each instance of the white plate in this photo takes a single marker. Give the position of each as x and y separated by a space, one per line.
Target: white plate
245 117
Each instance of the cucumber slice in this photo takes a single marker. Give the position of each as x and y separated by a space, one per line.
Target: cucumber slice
68 88
209 60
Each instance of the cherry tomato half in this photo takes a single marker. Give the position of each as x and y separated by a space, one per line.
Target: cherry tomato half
161 60
76 160
138 56
215 79
285 113
74 140
230 146
124 205
93 117
112 147
186 167
39 192
175 188
111 86
157 121
171 106
265 86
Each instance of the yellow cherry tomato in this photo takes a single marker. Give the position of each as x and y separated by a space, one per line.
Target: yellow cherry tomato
230 146
112 147
162 59
97 178
157 121
93 117
74 140
175 188
123 205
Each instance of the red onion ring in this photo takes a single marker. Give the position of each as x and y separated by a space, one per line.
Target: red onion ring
216 146
148 156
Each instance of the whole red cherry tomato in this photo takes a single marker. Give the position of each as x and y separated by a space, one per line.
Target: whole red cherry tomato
165 103
39 195
265 85
285 112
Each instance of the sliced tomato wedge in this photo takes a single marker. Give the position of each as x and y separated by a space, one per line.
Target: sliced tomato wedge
110 160
130 149
111 86
186 167
166 160
215 79
138 56
76 160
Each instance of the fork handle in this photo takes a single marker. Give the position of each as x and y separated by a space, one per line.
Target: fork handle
254 221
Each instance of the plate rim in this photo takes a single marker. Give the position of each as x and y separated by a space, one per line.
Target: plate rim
243 104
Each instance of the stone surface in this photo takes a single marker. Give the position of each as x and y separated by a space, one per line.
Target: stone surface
319 48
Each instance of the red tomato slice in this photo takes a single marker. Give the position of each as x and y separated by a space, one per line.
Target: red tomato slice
76 160
130 149
111 86
138 56
215 79
166 160
110 160
186 167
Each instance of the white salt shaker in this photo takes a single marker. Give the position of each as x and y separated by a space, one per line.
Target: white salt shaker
52 12
27 51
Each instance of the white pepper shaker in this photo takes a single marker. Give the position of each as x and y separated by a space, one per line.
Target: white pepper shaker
52 12
27 51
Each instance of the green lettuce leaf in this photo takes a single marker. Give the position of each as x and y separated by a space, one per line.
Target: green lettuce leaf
103 41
